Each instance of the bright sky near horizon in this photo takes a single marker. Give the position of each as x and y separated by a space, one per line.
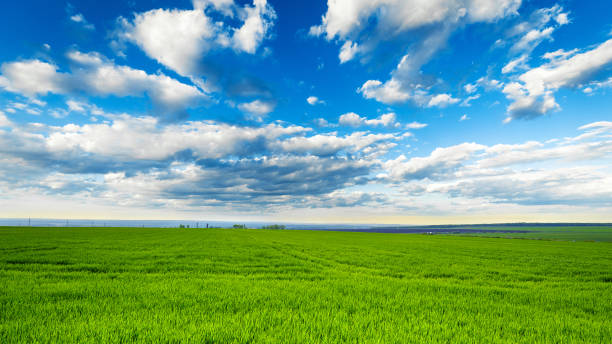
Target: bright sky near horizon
354 111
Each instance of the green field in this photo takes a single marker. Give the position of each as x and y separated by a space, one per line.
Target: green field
263 286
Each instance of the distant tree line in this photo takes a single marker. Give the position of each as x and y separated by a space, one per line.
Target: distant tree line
240 226
274 227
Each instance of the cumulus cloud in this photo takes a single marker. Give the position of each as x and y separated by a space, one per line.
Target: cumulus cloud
140 162
438 164
257 22
390 92
138 158
347 18
144 139
442 100
362 25
312 100
474 159
348 51
513 174
533 93
94 74
175 38
32 77
565 186
257 107
354 120
179 39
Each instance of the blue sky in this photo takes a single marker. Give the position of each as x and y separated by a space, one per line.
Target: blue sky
395 111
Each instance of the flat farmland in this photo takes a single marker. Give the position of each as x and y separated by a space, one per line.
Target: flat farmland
153 285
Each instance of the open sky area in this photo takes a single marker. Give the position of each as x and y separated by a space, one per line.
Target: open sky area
350 111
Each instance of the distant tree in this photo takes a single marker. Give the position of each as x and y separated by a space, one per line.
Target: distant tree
240 226
274 227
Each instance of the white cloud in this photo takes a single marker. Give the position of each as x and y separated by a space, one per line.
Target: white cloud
331 144
416 125
258 21
96 75
596 85
79 18
390 92
470 88
105 78
4 121
312 100
361 25
533 38
466 101
387 120
175 38
512 65
567 186
257 107
140 161
74 105
464 118
562 19
442 100
533 93
346 18
438 164
354 120
514 174
348 51
32 77
178 39
527 35
560 54
143 138
322 122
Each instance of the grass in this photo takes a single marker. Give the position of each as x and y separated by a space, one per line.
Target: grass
154 285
